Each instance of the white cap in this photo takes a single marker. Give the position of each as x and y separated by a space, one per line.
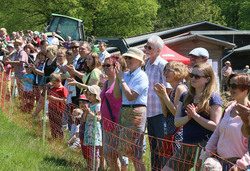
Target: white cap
200 52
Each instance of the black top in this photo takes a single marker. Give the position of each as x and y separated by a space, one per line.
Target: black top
49 69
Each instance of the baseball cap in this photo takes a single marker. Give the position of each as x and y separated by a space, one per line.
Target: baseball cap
200 52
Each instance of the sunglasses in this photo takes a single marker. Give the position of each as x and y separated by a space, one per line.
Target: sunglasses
74 47
128 57
195 76
168 70
233 86
148 47
107 65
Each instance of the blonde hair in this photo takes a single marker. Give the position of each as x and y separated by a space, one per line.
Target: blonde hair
180 70
4 30
210 87
53 49
78 110
55 76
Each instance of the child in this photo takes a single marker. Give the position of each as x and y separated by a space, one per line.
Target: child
6 68
57 98
83 103
93 132
28 97
74 140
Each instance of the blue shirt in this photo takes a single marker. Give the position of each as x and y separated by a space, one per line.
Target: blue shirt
27 86
193 132
138 82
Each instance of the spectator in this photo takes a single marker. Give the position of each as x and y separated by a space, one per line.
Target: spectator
174 72
54 40
30 50
6 68
155 118
61 60
74 140
83 104
11 51
36 40
92 72
69 56
110 107
44 45
67 44
201 55
227 140
246 70
49 68
4 37
29 36
199 112
226 71
103 51
28 97
44 37
14 35
132 86
20 58
57 98
93 132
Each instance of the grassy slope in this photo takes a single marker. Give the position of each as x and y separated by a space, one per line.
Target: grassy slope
20 150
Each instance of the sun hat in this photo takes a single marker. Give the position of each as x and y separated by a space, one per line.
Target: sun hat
135 53
83 97
212 164
199 52
18 41
10 45
95 89
227 62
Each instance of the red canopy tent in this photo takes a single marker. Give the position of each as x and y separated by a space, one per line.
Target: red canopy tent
170 55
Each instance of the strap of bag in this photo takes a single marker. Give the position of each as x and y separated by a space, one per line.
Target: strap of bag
108 104
177 130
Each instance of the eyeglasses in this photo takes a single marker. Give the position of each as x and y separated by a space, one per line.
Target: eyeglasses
168 70
148 47
233 86
127 57
107 65
195 76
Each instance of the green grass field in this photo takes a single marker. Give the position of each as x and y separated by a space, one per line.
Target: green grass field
20 149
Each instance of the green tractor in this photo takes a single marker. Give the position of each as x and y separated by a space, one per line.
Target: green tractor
65 26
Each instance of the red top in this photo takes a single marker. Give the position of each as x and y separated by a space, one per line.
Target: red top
58 92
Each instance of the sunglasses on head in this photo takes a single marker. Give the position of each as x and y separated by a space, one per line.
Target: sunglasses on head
148 47
233 86
107 65
168 70
195 76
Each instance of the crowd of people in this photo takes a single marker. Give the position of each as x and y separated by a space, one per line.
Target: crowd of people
108 101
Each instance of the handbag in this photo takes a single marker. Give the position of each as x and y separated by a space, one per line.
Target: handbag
167 146
108 104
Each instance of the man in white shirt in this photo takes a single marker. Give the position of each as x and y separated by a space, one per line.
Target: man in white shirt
226 71
103 52
54 40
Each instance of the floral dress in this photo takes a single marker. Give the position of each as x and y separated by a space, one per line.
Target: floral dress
93 132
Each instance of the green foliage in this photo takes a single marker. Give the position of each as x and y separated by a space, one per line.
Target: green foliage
188 11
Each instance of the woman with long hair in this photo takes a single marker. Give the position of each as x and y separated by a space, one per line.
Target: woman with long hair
199 112
227 140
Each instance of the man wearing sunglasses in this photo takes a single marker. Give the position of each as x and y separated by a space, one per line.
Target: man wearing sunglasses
201 55
155 118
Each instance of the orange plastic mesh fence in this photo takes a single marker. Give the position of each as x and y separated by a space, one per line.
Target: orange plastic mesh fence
122 147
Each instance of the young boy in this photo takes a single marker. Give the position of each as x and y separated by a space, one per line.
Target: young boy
28 97
57 96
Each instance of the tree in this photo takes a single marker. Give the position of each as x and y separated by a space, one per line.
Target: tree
188 11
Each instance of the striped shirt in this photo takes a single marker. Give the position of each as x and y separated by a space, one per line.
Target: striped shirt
155 75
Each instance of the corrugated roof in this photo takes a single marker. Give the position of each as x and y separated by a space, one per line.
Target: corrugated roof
242 49
224 32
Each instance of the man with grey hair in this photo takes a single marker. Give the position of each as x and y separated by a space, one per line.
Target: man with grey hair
155 118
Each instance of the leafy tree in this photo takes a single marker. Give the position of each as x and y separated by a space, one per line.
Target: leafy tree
181 12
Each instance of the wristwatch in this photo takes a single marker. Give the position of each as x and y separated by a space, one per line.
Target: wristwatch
122 80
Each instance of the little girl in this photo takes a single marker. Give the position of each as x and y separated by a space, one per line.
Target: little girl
74 140
93 132
6 68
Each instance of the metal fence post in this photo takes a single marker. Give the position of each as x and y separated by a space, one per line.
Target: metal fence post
44 115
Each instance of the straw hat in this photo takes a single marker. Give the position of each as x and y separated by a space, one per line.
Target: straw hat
228 62
18 41
135 53
95 89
